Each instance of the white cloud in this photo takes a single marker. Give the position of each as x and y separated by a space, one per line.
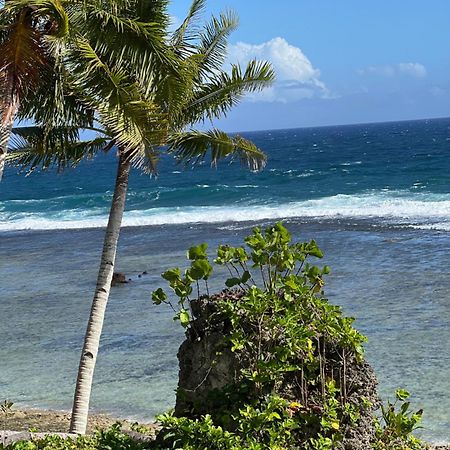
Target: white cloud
295 74
415 70
437 91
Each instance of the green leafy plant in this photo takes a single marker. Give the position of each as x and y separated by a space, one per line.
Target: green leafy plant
291 344
111 439
189 434
182 285
298 356
6 407
397 422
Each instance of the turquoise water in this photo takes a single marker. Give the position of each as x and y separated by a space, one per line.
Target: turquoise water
375 197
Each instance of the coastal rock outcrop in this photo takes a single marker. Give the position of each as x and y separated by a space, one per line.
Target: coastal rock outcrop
207 364
209 370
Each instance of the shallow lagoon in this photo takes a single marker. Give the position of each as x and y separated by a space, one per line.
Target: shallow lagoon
394 280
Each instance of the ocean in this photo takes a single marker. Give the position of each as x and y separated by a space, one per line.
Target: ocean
376 198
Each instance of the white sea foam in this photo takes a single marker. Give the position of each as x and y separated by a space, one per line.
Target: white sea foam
351 163
427 211
438 226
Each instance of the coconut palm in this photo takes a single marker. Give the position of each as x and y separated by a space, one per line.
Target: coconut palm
137 108
109 90
27 30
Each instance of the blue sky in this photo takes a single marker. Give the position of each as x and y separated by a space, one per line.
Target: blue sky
339 62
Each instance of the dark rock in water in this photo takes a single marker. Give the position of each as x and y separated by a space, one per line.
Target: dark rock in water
208 368
118 278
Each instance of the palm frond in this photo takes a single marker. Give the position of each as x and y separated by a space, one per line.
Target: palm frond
94 81
22 57
194 146
137 127
123 41
30 32
49 16
54 101
175 91
188 30
147 160
152 11
38 147
213 40
215 98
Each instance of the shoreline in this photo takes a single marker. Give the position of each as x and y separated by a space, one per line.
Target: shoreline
55 421
46 421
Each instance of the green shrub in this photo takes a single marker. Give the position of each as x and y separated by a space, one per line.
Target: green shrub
293 348
397 422
282 330
110 439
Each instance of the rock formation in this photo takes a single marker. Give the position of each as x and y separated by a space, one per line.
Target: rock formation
209 371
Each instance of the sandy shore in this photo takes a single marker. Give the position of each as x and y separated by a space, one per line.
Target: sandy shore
53 421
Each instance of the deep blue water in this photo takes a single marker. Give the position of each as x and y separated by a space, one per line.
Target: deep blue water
376 198
398 172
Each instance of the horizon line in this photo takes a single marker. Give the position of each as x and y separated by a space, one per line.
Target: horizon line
340 125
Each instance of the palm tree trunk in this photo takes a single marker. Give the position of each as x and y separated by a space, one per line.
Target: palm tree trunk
5 131
94 329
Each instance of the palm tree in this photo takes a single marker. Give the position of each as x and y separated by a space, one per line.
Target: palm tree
137 108
95 77
26 55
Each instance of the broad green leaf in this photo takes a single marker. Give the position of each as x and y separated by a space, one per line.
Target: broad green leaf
198 252
172 275
245 277
184 318
402 394
159 296
200 269
230 282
